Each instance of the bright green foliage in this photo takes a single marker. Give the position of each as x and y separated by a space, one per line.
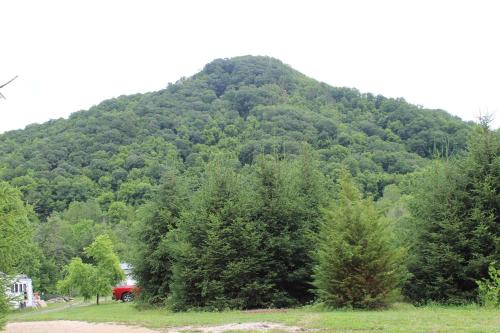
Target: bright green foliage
152 260
18 252
4 305
16 231
117 211
97 278
107 265
66 234
79 279
489 289
456 207
358 264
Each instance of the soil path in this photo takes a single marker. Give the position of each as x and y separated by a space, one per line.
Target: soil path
66 326
254 327
54 309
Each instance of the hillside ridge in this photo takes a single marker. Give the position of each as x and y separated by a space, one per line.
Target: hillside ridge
119 149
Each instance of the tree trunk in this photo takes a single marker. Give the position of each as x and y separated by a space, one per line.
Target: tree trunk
97 299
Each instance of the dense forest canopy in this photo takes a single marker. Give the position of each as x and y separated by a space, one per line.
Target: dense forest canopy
250 185
119 149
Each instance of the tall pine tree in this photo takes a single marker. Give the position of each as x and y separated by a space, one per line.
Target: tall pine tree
289 198
456 207
219 258
153 261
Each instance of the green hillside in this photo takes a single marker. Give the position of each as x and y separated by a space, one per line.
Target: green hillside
119 149
250 185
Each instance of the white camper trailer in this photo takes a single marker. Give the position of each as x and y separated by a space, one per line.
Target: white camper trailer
20 292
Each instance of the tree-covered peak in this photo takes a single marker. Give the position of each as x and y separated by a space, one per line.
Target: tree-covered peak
233 73
245 106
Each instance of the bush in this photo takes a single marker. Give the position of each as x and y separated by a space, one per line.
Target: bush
489 289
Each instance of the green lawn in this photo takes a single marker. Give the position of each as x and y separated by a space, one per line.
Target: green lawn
403 318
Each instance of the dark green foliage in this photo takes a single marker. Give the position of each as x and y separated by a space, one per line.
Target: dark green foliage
242 238
358 264
152 261
116 151
219 255
456 209
246 241
289 198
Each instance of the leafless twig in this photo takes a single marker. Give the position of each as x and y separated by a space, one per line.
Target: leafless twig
3 85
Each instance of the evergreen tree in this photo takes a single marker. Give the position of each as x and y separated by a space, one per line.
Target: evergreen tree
310 188
152 263
288 205
358 264
219 258
456 208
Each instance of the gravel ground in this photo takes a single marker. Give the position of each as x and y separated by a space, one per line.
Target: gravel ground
257 327
66 326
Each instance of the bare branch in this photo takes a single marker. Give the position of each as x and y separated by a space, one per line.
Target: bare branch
3 85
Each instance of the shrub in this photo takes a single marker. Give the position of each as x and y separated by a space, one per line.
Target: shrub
489 289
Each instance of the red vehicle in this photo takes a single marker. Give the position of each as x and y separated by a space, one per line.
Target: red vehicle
125 293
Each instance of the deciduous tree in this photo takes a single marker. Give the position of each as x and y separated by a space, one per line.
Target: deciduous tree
96 278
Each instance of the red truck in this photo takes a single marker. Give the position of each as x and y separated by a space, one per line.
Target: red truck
126 290
125 293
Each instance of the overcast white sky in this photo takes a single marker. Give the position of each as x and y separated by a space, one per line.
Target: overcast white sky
70 55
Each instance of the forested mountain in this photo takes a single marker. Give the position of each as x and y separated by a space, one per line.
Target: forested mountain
250 185
118 150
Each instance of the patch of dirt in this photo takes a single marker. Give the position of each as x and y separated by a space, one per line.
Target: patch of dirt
266 311
66 326
258 327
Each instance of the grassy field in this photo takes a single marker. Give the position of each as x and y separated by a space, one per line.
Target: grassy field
401 318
